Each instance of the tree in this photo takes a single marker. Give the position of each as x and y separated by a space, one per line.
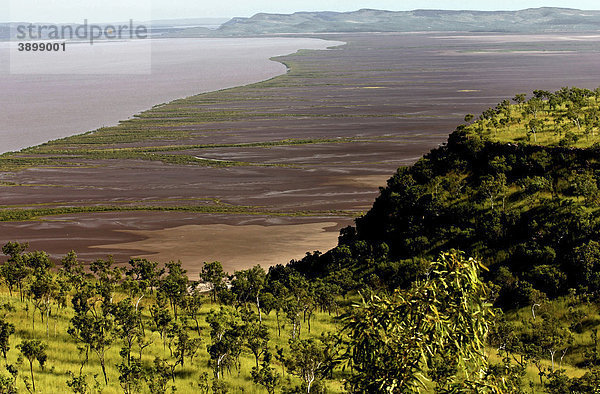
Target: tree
73 269
307 360
14 270
257 338
534 105
162 319
174 286
6 330
227 339
265 375
128 327
8 385
535 126
248 286
95 331
146 272
554 338
292 310
520 98
70 275
158 377
585 185
185 346
33 350
107 278
191 305
42 289
585 263
79 384
131 374
394 339
493 188
213 274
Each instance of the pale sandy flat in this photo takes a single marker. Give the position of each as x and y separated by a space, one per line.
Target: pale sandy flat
236 247
363 181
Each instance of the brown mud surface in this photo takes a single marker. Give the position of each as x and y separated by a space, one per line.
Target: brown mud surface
380 102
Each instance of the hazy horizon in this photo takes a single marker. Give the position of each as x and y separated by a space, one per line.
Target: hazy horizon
64 11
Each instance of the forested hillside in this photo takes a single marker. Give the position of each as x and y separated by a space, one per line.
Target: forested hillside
512 187
517 188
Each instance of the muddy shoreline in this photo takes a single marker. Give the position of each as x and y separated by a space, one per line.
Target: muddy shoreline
378 103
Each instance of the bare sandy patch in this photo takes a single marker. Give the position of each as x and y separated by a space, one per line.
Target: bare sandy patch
236 247
364 181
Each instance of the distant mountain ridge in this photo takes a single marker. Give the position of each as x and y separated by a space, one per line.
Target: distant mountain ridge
532 20
369 20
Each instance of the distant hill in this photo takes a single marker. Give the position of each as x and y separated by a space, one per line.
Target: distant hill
533 20
367 20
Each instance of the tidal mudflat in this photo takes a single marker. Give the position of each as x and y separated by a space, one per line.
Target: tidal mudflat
309 148
50 102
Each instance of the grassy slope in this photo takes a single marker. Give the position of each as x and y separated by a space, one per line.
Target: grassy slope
63 355
559 125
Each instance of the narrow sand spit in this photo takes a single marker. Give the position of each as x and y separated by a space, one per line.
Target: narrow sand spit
237 247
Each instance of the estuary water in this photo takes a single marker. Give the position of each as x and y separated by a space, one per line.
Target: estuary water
45 103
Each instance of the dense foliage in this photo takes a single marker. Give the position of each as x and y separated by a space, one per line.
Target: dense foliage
157 319
529 211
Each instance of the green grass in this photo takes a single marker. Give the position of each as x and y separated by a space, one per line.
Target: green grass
556 127
63 355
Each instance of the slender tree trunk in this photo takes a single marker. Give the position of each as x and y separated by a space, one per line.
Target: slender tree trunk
87 353
138 302
561 357
258 307
103 369
31 370
198 326
47 322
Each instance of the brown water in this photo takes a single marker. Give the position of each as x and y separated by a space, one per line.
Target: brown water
45 105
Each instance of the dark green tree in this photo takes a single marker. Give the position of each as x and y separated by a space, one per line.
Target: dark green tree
174 285
213 274
393 340
265 375
33 350
6 330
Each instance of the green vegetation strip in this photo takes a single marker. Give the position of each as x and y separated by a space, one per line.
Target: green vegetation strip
169 148
14 215
56 157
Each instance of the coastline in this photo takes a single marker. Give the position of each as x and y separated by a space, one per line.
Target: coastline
308 146
43 107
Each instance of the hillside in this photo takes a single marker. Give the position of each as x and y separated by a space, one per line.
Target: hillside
367 20
518 188
532 20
